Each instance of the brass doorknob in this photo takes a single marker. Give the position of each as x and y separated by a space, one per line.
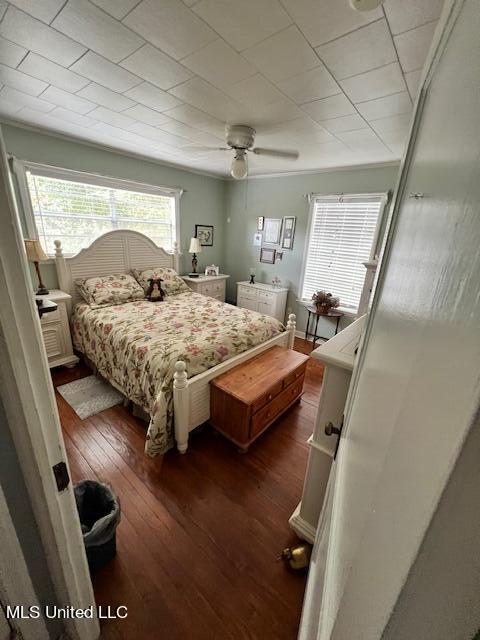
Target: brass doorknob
331 429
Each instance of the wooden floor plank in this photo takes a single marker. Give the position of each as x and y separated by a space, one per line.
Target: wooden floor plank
200 534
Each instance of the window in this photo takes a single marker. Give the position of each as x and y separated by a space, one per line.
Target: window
77 208
342 236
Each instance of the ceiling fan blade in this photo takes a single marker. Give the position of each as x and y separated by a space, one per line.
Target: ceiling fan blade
201 147
277 153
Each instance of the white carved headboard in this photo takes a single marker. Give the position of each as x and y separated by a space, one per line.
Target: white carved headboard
117 251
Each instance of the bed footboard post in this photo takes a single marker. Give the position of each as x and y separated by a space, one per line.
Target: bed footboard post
291 328
180 405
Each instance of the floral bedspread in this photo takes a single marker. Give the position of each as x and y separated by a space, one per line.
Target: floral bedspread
135 346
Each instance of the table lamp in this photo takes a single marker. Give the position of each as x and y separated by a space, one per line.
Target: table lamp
195 247
36 254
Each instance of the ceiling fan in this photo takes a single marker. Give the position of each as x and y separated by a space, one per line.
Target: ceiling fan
240 139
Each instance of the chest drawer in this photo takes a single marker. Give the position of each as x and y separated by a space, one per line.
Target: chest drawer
298 373
247 292
266 296
267 397
273 409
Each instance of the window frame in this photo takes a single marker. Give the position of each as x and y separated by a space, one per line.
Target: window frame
96 179
376 241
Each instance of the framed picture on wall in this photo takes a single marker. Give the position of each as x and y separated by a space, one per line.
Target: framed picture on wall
267 255
272 230
288 232
204 232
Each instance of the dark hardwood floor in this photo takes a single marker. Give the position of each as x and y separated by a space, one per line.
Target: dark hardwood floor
200 534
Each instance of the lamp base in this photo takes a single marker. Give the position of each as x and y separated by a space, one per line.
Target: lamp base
42 291
193 275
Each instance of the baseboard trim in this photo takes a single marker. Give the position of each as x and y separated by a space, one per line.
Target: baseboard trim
302 528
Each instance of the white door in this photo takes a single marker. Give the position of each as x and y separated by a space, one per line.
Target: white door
417 386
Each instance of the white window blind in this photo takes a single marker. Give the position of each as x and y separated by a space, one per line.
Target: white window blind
78 211
341 236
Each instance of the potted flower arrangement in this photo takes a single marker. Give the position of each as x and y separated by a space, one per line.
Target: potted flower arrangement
324 301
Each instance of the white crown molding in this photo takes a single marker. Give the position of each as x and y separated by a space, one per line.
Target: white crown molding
306 172
103 147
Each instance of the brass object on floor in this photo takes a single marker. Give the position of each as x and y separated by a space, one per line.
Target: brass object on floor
297 557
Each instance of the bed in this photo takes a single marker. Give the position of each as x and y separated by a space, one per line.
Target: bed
161 356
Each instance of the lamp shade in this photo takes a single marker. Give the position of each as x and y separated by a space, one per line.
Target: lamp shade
35 252
195 246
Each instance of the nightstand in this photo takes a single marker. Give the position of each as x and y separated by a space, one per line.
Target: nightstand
56 331
213 286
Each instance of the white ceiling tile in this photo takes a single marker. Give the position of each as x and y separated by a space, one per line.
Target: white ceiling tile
332 107
170 26
374 84
255 90
152 133
10 53
283 55
409 14
47 121
398 149
300 132
359 138
52 73
367 48
74 118
324 20
153 97
69 101
260 115
243 24
116 8
18 97
155 66
104 72
413 82
395 138
185 131
413 46
33 34
111 117
219 64
387 106
9 109
105 97
146 115
20 81
345 123
3 8
204 96
311 85
44 10
400 122
199 119
91 26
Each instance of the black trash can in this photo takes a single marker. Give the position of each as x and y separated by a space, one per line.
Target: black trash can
99 512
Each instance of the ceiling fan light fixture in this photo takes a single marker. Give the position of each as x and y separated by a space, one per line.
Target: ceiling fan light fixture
239 169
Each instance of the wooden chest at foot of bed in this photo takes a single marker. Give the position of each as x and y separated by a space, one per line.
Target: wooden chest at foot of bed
250 397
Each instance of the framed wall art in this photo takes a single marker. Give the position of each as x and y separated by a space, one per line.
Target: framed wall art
204 232
267 255
272 230
288 232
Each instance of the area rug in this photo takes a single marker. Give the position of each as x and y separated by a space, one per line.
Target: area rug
89 396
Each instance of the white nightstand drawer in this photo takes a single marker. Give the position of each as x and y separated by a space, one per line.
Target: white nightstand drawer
52 316
266 296
247 292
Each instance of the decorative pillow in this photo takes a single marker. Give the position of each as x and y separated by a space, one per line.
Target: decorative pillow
172 284
108 290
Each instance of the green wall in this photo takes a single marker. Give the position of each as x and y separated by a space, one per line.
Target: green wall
278 197
231 206
203 202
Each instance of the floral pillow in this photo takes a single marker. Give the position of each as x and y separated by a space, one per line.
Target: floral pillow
108 290
172 284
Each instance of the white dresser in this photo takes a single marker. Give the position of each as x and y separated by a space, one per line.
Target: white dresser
56 331
264 298
213 286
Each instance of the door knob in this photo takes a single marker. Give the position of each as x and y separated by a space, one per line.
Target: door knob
331 429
